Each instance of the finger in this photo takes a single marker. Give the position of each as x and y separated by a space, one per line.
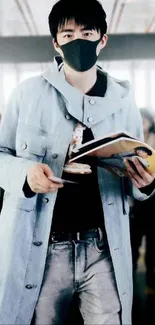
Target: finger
134 181
144 178
47 170
42 179
138 182
142 171
51 186
44 184
41 189
132 172
48 184
56 186
138 179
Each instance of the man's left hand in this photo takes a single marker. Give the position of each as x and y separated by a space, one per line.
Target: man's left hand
142 179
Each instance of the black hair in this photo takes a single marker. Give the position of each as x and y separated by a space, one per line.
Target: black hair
145 149
146 114
91 16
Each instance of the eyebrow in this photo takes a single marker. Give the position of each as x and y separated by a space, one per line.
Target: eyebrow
66 30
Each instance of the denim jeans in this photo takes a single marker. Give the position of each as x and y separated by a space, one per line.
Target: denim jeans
83 268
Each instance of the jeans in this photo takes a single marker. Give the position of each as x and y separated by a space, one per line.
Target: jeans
82 268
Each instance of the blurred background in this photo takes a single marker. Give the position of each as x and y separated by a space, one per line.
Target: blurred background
26 47
26 50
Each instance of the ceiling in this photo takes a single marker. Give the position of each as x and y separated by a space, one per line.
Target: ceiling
29 17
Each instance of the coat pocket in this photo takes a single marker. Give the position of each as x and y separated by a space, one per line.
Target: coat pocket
17 203
30 144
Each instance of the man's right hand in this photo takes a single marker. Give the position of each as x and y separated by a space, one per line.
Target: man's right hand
38 181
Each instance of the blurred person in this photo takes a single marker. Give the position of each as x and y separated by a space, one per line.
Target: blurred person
142 216
148 120
1 198
59 241
1 190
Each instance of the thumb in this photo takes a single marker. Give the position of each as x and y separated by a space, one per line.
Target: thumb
47 171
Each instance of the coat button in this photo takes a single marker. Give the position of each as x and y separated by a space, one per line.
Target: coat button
92 102
55 156
45 200
24 146
67 117
29 286
90 119
37 243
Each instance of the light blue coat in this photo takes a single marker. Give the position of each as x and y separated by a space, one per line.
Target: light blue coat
37 126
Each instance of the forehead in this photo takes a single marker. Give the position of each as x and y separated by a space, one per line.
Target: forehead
72 25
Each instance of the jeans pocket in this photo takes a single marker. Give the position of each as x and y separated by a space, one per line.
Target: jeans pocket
49 250
60 246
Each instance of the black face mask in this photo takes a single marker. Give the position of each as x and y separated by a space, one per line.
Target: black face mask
80 54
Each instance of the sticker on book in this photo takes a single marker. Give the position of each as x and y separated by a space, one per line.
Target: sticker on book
77 139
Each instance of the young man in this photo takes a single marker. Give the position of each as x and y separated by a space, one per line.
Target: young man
140 225
1 190
58 241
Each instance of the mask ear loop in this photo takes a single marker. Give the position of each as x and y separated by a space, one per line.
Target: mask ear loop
59 60
98 42
98 66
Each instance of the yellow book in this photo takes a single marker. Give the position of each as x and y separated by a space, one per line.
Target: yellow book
110 152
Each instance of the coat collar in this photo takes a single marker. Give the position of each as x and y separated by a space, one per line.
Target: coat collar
115 97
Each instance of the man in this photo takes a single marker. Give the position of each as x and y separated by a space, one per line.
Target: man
142 220
1 190
58 241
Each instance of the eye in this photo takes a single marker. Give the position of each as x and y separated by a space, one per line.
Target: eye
67 36
87 34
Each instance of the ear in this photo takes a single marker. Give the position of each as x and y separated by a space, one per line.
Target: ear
102 44
56 46
104 41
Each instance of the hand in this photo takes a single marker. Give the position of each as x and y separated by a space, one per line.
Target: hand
144 179
38 181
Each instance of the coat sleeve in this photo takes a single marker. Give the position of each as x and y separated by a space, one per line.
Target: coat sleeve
134 117
13 170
